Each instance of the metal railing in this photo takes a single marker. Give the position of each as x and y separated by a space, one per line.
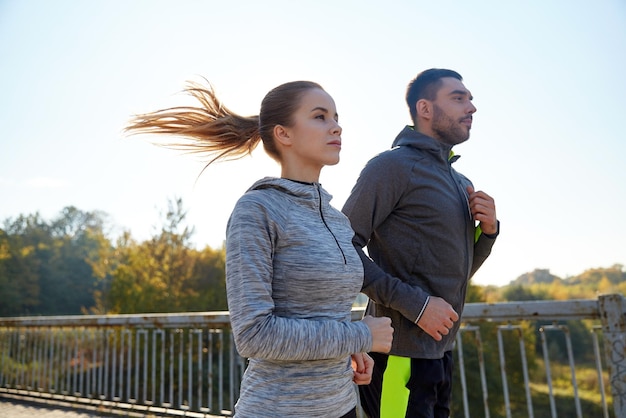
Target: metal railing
607 315
186 364
166 364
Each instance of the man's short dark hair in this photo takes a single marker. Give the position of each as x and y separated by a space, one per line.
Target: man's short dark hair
426 85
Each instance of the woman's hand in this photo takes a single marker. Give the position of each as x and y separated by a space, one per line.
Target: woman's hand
362 365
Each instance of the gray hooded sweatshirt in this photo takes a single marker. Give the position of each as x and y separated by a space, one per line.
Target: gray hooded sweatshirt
410 208
292 274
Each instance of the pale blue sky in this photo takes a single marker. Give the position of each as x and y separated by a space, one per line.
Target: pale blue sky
546 143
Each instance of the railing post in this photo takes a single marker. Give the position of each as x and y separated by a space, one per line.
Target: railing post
612 308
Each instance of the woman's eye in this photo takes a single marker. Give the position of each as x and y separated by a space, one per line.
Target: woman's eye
322 117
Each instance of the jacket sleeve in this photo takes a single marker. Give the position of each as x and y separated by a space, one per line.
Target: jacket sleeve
389 291
482 248
258 333
371 201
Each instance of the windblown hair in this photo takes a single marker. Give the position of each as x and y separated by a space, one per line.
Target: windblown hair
213 129
425 86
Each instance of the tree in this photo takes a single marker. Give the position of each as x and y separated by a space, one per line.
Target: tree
23 240
521 293
209 281
46 268
155 276
18 282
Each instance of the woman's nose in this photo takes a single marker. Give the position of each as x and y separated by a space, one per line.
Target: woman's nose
337 129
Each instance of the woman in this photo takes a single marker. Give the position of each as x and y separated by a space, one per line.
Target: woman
292 272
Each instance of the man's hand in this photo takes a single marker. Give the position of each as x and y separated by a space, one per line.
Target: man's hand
382 332
483 209
438 317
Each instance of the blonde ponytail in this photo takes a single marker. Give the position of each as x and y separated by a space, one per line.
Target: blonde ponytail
211 129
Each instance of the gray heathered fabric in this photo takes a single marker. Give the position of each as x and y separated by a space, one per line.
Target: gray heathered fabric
292 274
410 207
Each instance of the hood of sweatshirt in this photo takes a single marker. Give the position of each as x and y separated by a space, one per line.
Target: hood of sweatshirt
312 192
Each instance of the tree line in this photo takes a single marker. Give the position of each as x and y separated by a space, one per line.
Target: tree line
70 265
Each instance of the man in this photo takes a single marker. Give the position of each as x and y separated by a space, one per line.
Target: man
427 231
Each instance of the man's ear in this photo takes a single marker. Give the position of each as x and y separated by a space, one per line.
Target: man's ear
282 135
424 109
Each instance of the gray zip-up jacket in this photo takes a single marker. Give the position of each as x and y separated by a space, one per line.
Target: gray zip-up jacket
410 208
292 274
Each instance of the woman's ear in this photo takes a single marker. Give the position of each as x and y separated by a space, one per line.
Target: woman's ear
282 135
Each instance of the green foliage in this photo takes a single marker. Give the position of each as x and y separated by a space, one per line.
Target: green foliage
209 281
46 266
537 285
70 266
521 293
541 285
164 274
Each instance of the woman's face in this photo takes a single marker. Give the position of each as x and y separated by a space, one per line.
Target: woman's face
315 132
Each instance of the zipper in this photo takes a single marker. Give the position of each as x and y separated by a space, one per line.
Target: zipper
319 195
465 198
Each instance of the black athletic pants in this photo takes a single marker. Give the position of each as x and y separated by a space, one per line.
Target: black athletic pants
351 414
430 386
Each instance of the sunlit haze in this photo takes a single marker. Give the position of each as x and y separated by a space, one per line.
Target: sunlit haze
547 141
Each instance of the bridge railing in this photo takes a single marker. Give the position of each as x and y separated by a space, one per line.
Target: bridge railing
162 363
186 364
511 324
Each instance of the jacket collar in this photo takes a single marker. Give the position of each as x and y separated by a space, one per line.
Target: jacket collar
411 138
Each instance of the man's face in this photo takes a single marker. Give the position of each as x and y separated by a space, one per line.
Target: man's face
452 112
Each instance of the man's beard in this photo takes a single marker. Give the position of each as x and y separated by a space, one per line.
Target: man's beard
446 129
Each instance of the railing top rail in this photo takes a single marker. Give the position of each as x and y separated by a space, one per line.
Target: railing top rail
533 310
548 310
147 320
